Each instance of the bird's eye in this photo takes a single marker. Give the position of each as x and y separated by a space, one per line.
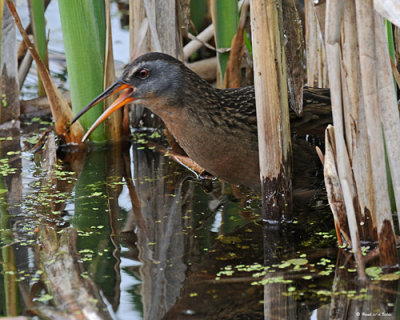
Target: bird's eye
143 73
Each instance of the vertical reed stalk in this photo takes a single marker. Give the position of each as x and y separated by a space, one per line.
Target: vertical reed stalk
83 25
365 114
333 53
226 21
366 36
9 89
113 124
390 38
7 256
1 21
138 29
294 51
139 43
39 32
391 46
315 50
198 11
272 108
388 107
356 140
396 36
60 109
153 27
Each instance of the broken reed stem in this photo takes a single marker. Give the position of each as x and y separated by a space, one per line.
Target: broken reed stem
364 111
355 238
357 140
332 184
333 52
332 36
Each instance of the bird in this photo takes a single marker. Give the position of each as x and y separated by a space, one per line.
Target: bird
217 128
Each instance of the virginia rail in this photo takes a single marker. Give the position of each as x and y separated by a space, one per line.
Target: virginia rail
217 128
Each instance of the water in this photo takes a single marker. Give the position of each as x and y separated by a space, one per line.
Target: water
125 233
149 241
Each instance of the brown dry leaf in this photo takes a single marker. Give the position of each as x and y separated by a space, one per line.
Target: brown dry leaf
60 109
232 73
396 73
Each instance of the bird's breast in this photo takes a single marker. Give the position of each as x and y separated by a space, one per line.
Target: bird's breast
229 155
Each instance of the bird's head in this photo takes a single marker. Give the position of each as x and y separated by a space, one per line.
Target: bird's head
153 79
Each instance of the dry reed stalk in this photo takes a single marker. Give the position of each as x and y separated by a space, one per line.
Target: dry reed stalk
139 43
113 127
388 106
24 67
315 50
355 237
277 304
396 73
334 14
272 108
332 36
333 188
369 81
339 194
138 27
70 291
232 77
363 103
357 142
195 44
294 51
150 10
168 30
153 27
396 36
206 68
60 109
9 90
390 9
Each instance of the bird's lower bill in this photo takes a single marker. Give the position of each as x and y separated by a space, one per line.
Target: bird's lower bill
124 98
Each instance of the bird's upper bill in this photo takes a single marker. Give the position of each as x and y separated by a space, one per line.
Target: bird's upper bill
122 100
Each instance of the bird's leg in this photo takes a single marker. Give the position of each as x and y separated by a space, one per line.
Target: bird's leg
182 160
176 148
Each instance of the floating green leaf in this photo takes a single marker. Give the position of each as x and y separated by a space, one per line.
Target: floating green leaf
373 272
228 239
298 261
45 297
295 262
390 277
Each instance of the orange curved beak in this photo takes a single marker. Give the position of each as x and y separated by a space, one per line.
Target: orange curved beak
122 100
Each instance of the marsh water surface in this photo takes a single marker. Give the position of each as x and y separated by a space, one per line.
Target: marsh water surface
139 237
124 232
